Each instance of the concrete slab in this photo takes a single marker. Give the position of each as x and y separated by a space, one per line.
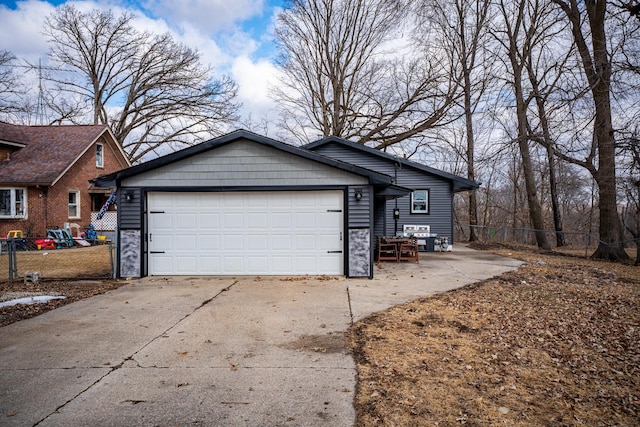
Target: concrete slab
397 283
210 351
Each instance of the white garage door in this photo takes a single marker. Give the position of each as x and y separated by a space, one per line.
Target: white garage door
271 233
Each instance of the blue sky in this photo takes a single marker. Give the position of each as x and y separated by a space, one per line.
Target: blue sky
234 36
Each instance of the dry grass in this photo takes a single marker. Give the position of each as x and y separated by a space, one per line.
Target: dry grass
556 342
92 261
62 272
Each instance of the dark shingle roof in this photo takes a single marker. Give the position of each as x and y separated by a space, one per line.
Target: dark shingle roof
459 183
49 151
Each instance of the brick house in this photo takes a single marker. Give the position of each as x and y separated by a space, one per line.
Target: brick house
45 173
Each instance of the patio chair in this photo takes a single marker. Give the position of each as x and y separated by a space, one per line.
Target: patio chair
387 251
409 250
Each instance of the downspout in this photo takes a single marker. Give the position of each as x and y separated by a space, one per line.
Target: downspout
396 165
45 208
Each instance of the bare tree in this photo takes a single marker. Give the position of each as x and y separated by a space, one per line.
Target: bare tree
589 30
10 85
517 34
464 24
151 90
343 74
546 67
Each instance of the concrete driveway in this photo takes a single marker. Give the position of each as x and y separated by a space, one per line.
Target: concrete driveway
244 351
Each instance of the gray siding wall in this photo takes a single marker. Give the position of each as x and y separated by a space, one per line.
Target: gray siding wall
129 212
440 191
360 211
244 163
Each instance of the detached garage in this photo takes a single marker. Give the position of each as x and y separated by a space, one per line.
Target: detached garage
246 204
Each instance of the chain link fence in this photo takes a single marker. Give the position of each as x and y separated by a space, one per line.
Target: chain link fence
574 241
8 262
21 257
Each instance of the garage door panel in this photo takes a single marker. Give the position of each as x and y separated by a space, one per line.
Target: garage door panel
281 242
233 220
186 264
258 264
326 243
233 263
258 242
209 221
246 233
258 221
208 242
305 220
161 221
161 264
160 242
186 242
209 265
233 242
305 263
281 264
186 221
281 221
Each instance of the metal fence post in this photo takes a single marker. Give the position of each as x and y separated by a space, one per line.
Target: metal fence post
111 261
13 261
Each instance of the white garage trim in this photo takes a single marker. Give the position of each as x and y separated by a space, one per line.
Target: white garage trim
268 233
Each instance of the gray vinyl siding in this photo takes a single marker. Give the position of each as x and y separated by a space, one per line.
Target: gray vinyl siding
360 210
440 213
129 212
244 163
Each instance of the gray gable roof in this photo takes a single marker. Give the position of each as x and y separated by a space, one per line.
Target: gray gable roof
459 183
374 177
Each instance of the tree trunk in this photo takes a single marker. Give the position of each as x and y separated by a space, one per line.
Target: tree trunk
535 210
553 184
555 206
597 68
473 201
610 246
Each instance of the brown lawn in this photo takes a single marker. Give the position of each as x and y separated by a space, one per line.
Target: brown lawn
554 343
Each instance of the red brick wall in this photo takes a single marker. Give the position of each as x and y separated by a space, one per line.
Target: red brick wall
34 224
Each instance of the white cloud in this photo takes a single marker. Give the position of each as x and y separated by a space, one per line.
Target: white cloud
21 29
254 82
208 16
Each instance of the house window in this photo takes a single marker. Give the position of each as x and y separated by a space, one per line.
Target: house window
420 202
74 204
13 203
99 155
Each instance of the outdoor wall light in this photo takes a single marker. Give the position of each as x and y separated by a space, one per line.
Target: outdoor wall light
128 196
357 193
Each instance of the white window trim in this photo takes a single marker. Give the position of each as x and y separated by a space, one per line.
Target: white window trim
77 204
418 211
13 213
100 164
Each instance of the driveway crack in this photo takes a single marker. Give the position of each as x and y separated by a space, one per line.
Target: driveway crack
132 356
